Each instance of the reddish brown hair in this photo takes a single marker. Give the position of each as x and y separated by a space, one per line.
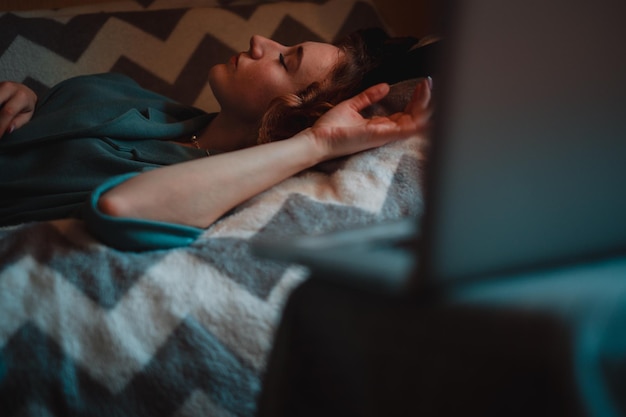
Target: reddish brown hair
292 113
363 53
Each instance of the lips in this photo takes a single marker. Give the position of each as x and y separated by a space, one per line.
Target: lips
234 60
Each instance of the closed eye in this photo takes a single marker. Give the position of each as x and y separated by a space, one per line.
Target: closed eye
281 58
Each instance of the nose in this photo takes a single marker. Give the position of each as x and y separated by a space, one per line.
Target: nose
260 45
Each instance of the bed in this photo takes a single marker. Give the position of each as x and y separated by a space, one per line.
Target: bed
86 330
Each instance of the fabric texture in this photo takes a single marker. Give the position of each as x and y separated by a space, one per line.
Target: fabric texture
84 132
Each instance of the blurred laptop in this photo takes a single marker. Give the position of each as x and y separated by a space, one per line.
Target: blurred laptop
528 162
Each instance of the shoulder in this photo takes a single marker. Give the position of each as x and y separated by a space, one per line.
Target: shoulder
100 86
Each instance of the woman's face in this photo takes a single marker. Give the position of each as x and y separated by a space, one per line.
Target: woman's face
249 81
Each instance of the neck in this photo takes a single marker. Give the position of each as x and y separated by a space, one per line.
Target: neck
227 134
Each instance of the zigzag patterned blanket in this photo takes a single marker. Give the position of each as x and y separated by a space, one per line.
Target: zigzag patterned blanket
89 331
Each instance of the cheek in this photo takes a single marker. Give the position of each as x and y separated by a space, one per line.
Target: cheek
248 91
260 88
251 99
268 83
265 92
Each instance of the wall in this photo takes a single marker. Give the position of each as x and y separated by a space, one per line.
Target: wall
411 17
404 17
43 4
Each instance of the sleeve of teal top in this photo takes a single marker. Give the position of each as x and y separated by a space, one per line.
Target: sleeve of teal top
130 234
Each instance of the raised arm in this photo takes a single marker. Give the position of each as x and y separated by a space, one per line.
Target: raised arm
198 192
17 104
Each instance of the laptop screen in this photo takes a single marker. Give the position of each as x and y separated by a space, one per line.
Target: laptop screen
529 154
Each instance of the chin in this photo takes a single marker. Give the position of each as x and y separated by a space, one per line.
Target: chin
214 74
216 80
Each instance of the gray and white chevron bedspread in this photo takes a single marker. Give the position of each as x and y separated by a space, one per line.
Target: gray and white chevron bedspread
86 330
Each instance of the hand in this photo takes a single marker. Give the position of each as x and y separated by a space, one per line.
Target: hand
343 131
17 104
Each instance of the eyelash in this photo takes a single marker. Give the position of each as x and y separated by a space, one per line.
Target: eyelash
281 58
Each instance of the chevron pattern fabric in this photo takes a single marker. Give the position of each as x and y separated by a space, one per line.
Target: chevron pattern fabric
86 330
167 50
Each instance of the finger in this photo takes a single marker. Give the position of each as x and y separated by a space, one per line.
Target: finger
15 111
7 117
7 90
5 123
420 98
368 97
20 120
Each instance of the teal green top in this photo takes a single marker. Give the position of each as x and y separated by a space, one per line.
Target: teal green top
88 134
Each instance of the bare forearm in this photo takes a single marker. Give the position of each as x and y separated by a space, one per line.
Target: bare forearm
198 192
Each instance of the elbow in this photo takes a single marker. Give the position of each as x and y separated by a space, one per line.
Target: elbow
113 205
121 205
